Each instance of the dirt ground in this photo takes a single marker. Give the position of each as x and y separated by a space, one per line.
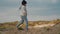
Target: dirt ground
10 28
44 30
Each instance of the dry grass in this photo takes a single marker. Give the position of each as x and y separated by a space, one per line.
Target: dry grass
31 23
11 26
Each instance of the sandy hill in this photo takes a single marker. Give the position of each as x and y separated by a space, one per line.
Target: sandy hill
10 27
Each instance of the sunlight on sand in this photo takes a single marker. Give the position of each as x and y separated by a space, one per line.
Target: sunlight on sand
44 25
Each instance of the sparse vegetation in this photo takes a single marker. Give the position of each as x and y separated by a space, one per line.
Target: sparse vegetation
46 28
10 26
0 32
59 33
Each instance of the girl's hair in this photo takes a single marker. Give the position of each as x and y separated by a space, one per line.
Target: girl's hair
24 2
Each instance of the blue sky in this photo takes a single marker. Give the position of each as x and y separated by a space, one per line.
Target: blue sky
37 10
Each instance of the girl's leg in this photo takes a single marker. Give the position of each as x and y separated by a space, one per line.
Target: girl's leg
21 22
26 20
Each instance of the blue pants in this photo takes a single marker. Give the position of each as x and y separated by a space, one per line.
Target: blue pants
23 18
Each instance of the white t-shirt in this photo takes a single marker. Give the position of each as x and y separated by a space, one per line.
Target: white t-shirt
23 11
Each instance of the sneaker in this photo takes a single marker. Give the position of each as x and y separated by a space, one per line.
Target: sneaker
20 28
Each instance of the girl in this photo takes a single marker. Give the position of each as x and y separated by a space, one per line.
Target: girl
23 14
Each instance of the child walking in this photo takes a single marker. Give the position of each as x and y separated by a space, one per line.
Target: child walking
23 14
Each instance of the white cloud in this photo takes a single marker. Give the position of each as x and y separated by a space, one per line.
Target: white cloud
47 18
54 1
12 14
